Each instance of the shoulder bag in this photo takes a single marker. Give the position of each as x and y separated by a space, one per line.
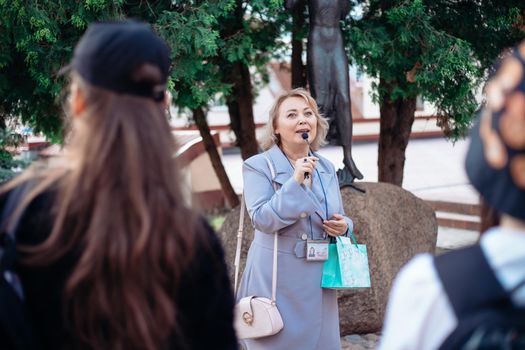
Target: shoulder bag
256 316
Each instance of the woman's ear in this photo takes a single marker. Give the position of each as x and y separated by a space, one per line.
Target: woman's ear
77 101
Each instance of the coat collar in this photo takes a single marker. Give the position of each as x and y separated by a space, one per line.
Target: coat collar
281 164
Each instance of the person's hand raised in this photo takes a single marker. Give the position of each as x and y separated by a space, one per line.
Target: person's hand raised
302 166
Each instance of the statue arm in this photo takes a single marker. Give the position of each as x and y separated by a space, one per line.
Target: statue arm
291 4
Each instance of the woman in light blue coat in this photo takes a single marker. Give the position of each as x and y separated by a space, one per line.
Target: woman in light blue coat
307 205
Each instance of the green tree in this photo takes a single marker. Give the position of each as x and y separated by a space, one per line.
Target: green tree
214 45
440 50
191 31
36 40
248 34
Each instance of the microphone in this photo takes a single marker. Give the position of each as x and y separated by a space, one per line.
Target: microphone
304 135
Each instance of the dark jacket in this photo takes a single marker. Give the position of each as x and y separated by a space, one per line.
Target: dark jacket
204 298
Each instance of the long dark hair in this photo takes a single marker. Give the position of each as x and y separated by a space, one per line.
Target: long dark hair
120 205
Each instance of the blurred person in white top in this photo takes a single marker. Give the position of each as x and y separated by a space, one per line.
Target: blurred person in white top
419 314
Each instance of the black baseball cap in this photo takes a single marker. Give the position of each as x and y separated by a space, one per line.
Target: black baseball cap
109 53
495 161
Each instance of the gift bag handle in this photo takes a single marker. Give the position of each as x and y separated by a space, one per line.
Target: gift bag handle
352 237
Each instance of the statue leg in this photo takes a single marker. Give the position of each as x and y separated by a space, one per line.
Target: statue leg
319 79
344 111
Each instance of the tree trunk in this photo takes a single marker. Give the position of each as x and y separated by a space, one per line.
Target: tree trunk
397 118
3 118
298 68
240 108
209 144
240 101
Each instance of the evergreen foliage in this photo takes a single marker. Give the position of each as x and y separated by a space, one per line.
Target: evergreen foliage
37 39
439 49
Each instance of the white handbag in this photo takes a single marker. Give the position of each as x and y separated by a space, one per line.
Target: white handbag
256 316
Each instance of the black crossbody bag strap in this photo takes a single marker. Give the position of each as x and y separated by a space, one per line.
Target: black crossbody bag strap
469 283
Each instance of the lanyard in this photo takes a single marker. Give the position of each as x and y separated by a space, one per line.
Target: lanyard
322 189
325 206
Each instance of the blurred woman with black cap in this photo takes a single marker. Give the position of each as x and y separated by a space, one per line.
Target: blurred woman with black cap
109 257
430 296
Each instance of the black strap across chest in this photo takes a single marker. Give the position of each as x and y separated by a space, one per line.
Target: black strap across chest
469 280
480 303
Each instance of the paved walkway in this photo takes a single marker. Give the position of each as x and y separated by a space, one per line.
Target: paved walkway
360 341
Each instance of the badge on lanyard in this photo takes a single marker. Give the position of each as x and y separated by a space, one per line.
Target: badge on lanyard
316 250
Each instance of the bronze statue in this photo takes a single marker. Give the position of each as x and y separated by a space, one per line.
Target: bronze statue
328 75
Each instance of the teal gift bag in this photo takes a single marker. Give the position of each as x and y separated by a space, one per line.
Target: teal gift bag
347 265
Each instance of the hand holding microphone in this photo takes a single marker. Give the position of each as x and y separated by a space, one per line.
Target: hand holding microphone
304 166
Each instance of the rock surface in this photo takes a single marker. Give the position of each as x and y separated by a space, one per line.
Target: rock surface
394 224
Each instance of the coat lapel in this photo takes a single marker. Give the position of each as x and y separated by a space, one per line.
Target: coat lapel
283 169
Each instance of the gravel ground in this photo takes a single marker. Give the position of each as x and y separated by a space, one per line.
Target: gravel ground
359 341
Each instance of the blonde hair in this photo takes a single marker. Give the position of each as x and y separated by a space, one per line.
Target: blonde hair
272 138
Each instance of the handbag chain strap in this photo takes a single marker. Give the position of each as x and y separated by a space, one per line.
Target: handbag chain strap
239 242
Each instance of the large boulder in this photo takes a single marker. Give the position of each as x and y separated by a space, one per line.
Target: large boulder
394 224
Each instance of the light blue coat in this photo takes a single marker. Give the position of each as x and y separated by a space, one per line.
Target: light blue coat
310 313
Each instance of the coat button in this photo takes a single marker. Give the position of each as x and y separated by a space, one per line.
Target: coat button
303 215
304 236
